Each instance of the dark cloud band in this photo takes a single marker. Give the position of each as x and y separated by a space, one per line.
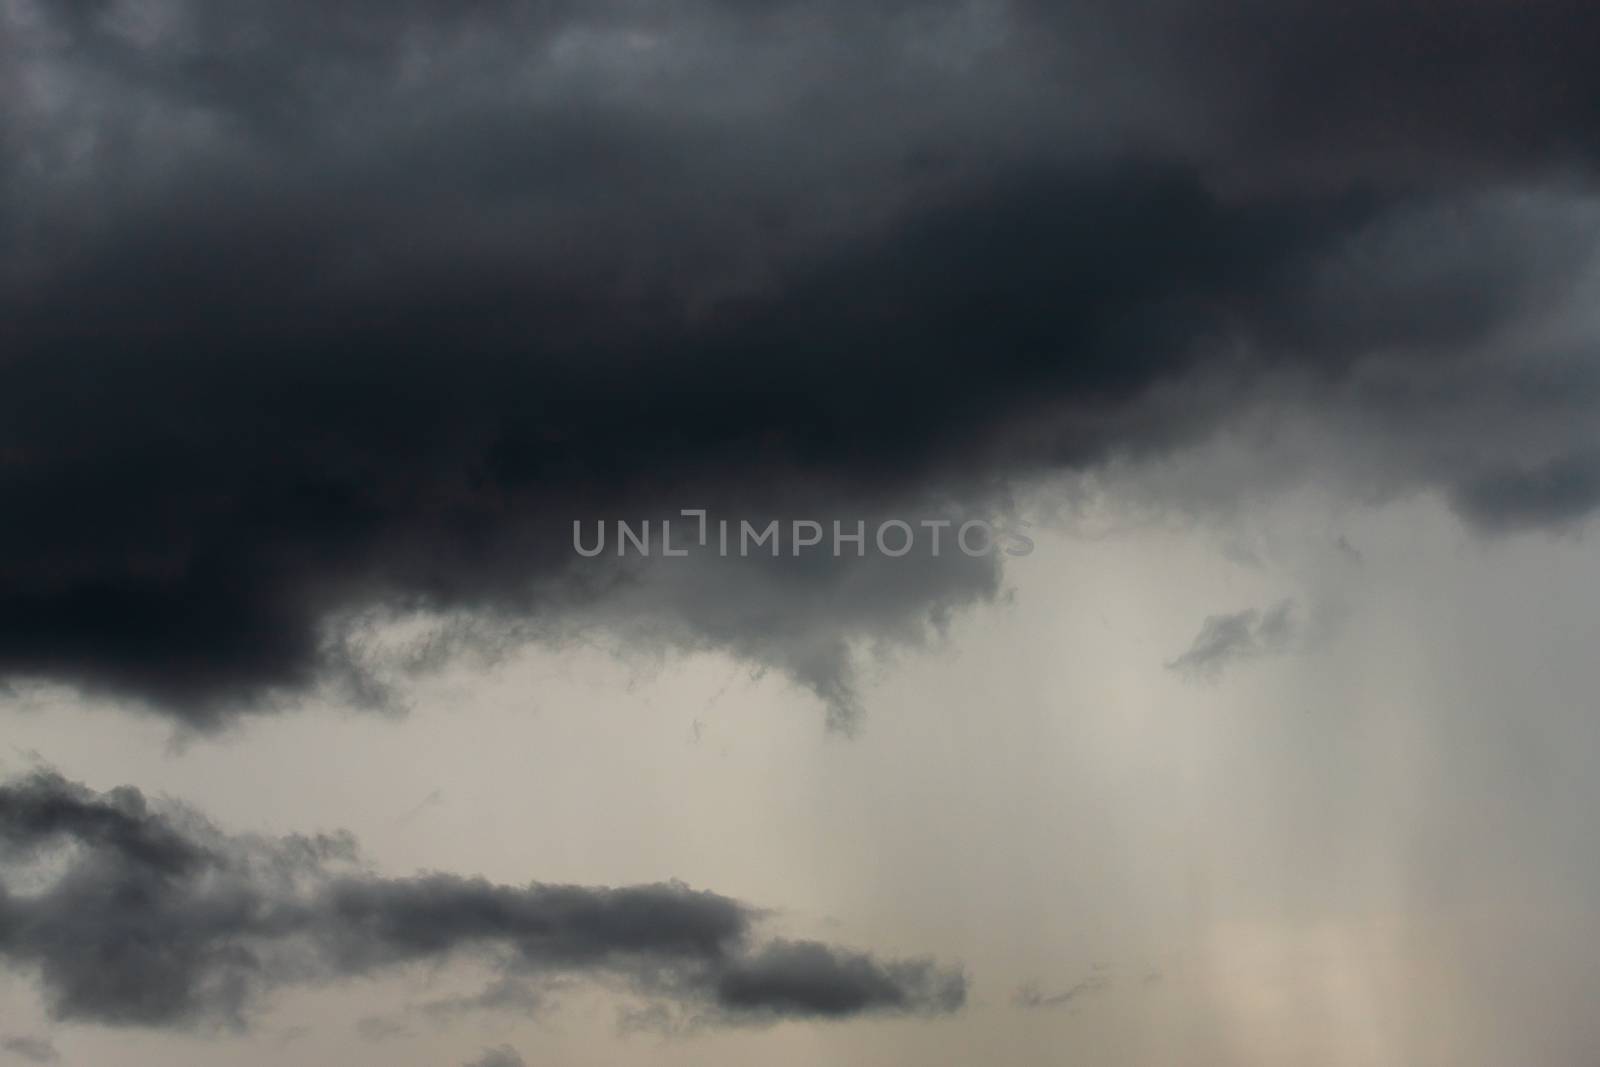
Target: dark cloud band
133 916
302 326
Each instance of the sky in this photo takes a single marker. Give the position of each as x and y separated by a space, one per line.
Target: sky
725 531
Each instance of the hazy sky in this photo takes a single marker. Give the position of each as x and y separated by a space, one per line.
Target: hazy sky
1261 337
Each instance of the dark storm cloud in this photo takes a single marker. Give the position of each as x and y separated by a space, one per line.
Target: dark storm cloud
313 320
1411 89
1225 639
120 933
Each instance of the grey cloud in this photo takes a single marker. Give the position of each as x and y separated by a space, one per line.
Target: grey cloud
1225 639
500 1056
1558 492
1309 90
1031 996
514 995
196 932
810 978
31 1049
44 808
317 319
509 994
648 1018
380 1028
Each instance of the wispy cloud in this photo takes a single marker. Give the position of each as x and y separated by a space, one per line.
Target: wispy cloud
1243 635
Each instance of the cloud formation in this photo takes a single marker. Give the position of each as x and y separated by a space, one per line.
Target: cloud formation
31 1049
1031 996
132 916
307 328
500 1056
1226 639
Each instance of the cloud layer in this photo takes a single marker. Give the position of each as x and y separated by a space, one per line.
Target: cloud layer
133 916
304 327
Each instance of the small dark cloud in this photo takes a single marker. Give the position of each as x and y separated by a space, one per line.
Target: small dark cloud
1249 634
808 978
1031 995
31 1049
509 994
289 1035
648 1019
156 918
500 1056
381 1028
432 800
1242 553
512 995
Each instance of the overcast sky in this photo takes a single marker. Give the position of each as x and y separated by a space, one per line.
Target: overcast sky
1254 344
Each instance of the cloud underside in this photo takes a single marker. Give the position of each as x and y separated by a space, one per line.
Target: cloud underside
306 327
130 915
